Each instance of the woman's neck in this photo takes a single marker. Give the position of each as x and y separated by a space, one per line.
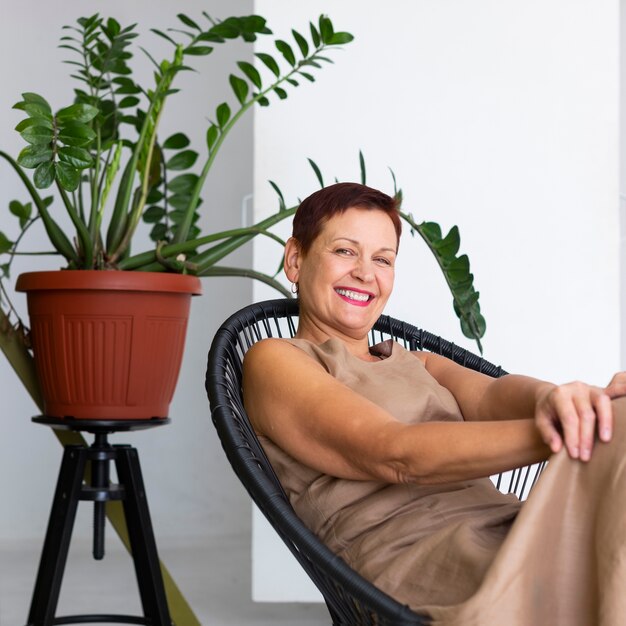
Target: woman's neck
317 334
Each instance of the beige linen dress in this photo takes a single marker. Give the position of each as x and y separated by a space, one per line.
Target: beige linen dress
463 552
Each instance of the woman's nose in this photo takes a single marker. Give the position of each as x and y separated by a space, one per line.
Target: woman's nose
363 270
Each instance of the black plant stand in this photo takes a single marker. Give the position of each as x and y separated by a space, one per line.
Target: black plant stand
70 489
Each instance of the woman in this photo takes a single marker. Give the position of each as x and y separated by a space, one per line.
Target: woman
384 453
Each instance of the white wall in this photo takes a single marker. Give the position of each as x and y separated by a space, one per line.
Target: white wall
498 116
192 491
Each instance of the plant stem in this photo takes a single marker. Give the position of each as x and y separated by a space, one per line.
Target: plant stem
81 229
56 235
245 234
217 270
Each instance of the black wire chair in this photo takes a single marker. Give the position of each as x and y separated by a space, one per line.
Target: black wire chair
351 600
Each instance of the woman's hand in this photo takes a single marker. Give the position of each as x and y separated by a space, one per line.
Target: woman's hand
571 414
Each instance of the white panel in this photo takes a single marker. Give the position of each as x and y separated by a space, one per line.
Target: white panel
501 117
277 575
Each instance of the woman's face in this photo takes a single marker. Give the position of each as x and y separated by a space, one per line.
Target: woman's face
346 277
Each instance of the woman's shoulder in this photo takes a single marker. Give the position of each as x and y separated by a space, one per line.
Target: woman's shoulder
274 350
268 346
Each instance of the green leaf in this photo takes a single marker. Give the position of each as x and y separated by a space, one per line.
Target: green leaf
223 114
179 215
340 38
315 36
263 101
269 62
198 50
153 214
307 76
212 134
251 72
162 34
431 230
240 87
182 160
179 201
128 101
155 195
285 49
34 98
38 111
302 42
362 167
76 134
68 176
158 232
458 270
281 93
44 175
326 29
76 113
113 27
29 121
187 21
76 157
449 246
5 243
37 135
281 199
21 211
176 142
32 156
183 183
317 172
131 89
225 29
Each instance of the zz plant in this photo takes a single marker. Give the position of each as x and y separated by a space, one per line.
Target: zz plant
111 170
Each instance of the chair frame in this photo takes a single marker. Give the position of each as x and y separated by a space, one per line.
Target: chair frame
351 600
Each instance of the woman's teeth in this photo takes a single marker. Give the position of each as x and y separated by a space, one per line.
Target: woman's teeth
353 295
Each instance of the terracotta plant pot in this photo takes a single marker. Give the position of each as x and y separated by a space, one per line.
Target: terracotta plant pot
108 344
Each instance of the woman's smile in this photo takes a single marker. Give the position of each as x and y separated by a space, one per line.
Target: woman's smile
355 296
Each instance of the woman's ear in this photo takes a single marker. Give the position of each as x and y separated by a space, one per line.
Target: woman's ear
293 256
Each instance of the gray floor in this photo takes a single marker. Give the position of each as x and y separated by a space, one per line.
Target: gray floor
215 579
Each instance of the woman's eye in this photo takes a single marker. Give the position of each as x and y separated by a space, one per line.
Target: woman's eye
344 251
383 261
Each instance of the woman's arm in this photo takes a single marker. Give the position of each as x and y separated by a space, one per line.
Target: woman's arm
564 414
293 401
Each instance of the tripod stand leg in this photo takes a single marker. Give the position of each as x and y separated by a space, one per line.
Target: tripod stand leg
141 535
56 545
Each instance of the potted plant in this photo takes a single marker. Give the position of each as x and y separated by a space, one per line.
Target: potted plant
108 329
113 172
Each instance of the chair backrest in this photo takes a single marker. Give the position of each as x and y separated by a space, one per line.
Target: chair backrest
351 599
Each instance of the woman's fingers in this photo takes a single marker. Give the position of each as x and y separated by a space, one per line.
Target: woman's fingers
565 414
604 414
548 431
571 415
587 425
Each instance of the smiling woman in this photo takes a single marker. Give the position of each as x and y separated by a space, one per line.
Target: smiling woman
342 257
385 453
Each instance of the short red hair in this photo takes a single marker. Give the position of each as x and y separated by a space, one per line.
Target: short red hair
320 206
